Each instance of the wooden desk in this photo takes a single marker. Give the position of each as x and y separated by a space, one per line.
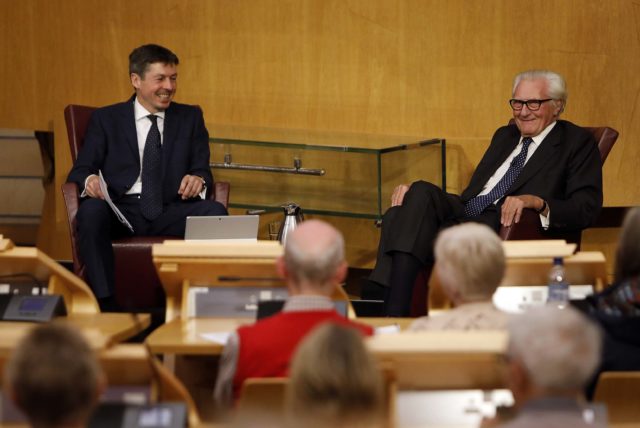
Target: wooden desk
432 360
582 268
77 295
102 330
194 360
421 360
183 337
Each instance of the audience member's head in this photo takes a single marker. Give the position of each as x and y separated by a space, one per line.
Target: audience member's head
470 262
551 352
54 377
334 381
628 252
313 261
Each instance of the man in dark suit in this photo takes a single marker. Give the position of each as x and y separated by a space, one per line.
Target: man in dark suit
542 163
154 156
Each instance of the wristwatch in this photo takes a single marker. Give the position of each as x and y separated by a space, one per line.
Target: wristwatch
544 207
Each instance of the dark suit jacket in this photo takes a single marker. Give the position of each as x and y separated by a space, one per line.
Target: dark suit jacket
111 145
565 171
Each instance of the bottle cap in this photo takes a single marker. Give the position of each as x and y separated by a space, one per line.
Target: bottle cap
557 261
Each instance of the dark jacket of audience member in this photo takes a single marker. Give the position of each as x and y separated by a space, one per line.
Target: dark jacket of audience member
617 308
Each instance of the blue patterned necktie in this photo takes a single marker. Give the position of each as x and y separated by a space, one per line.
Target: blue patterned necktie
151 195
476 205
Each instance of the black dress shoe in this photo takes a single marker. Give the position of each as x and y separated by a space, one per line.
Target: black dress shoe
109 304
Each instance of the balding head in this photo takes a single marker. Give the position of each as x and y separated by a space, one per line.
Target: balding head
313 258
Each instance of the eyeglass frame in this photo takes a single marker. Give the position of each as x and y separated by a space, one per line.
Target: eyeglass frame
526 103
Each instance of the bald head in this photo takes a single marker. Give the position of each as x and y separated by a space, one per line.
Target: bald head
314 256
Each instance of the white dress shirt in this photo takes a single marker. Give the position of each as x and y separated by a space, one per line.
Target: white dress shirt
502 170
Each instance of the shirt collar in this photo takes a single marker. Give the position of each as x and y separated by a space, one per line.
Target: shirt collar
140 112
308 303
541 136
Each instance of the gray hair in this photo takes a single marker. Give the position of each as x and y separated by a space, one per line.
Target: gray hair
471 256
559 348
314 259
556 86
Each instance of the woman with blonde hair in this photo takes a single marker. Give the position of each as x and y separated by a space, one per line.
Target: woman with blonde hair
334 382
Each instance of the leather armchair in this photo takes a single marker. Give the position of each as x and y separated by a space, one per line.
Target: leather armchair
137 286
529 225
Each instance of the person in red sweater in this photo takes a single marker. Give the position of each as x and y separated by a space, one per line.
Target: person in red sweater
313 265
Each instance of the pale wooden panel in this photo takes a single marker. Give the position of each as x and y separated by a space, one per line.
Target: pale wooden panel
395 67
21 196
20 157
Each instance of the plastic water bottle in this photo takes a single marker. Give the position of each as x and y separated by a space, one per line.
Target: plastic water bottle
558 289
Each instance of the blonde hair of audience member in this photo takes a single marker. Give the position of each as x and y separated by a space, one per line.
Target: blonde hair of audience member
313 261
551 352
628 252
469 263
54 377
334 381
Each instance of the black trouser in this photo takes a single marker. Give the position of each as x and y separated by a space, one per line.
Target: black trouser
408 235
98 225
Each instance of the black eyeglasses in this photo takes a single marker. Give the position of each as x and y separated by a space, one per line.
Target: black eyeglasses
532 105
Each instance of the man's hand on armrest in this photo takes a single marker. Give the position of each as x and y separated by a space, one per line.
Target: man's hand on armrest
513 206
191 186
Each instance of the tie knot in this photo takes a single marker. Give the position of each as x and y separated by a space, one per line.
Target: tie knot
153 118
526 141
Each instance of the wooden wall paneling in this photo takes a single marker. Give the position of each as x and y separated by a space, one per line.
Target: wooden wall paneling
405 67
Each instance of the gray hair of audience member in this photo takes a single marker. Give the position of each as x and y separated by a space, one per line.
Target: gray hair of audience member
470 261
556 86
628 252
558 348
314 252
54 376
334 381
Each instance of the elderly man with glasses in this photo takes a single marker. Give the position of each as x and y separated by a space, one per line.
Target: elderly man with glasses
541 162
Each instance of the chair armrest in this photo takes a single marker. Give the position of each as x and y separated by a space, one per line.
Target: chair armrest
71 201
220 192
528 227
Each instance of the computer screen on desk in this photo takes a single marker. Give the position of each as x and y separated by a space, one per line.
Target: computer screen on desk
230 302
266 308
234 228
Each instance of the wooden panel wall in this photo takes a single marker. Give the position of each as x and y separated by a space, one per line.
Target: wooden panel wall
410 67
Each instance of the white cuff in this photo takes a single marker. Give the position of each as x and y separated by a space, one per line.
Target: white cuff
84 189
545 221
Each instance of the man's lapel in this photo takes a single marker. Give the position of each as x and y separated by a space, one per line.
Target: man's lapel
542 155
129 125
171 126
493 159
